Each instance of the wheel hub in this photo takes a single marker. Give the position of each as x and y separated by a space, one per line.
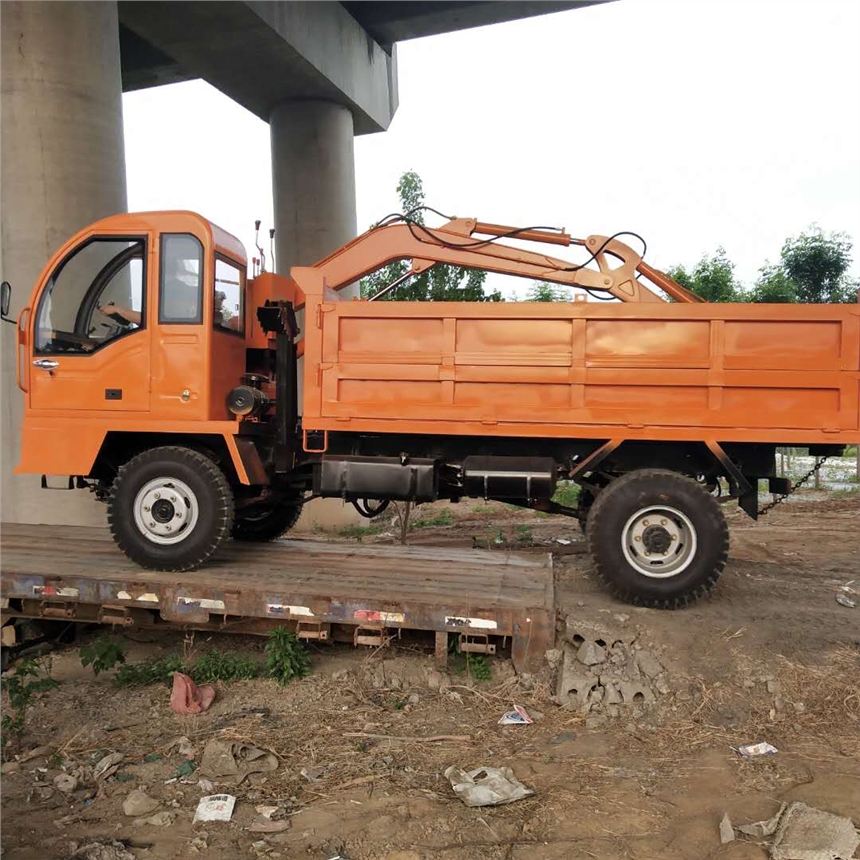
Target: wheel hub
656 539
659 541
163 511
166 510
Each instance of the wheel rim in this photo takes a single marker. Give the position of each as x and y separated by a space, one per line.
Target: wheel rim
166 510
659 541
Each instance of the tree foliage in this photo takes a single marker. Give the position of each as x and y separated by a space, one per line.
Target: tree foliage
713 278
813 267
543 291
441 283
817 264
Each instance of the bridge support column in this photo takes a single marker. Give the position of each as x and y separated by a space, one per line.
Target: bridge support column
62 166
313 180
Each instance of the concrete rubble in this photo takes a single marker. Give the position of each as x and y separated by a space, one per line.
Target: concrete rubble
601 667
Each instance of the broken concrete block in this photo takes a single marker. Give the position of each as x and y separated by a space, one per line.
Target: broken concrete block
579 630
806 833
649 665
727 832
553 656
632 693
611 694
575 682
591 653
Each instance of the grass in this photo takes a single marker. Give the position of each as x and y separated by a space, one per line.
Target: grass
359 532
845 493
567 494
442 518
286 659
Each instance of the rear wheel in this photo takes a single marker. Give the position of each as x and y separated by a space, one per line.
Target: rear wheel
263 524
657 538
170 508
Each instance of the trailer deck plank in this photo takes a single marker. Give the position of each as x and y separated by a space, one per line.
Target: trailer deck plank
63 569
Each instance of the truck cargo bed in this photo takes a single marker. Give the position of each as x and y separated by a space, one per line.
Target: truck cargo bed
322 590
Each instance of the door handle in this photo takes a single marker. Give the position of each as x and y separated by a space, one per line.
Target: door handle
46 363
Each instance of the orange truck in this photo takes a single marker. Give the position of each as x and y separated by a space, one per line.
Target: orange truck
199 403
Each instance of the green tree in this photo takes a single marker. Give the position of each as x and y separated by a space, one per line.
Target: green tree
817 263
713 279
773 286
441 283
543 291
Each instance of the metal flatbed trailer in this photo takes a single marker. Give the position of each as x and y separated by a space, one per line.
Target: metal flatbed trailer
369 595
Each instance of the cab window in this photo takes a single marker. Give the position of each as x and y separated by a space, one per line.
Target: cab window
94 297
228 310
180 298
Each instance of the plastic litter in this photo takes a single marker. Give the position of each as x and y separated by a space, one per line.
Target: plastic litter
65 782
182 746
516 717
107 766
486 786
753 750
233 761
215 807
138 804
805 833
187 698
103 851
727 832
160 819
844 600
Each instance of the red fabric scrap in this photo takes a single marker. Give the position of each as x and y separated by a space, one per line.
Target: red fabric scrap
187 698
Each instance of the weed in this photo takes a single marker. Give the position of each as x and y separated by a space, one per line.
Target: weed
396 703
225 666
524 534
102 654
152 671
459 661
286 657
845 493
21 691
567 494
359 532
443 518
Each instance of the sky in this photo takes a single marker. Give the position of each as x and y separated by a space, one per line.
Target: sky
697 125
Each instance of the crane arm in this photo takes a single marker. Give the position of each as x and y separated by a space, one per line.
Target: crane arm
455 243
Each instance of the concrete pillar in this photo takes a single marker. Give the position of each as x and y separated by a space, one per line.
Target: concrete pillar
313 183
62 166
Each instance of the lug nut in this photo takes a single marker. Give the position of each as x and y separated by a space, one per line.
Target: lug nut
146 508
674 537
173 498
167 528
637 538
178 515
645 523
647 553
662 522
157 495
152 525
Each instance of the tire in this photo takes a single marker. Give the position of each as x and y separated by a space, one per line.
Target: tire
261 525
586 500
194 510
630 538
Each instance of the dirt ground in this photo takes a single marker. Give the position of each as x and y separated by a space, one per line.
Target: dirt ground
770 656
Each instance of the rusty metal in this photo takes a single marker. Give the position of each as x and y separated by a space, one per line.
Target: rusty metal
373 591
476 643
316 630
375 637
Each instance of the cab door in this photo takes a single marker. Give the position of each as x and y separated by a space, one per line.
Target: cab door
90 344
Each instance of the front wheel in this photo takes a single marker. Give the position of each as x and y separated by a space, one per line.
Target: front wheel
170 508
657 538
265 523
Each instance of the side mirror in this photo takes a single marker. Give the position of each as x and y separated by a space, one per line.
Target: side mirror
5 301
